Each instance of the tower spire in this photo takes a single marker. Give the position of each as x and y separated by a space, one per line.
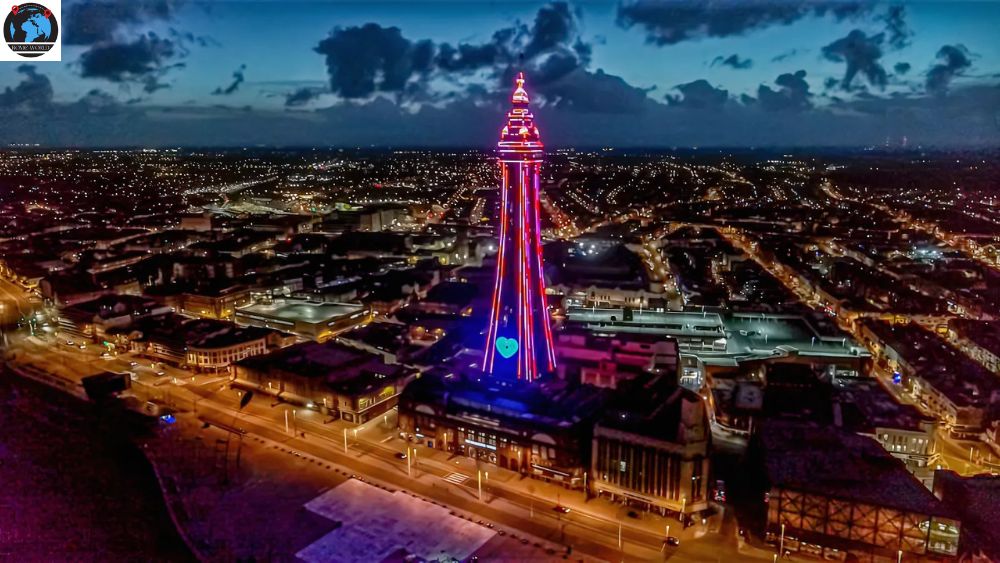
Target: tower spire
519 338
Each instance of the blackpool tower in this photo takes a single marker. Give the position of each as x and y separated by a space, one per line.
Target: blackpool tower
519 338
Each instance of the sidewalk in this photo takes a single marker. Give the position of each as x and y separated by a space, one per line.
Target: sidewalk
540 495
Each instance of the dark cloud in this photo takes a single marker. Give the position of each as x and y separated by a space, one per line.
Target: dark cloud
698 95
733 61
468 57
861 54
901 68
143 61
90 22
364 60
784 55
238 77
582 91
33 92
302 96
669 22
118 54
98 100
554 31
899 33
954 59
554 26
963 118
793 94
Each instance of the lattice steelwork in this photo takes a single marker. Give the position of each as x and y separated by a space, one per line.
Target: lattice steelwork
519 338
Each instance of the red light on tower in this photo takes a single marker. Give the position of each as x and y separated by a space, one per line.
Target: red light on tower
519 338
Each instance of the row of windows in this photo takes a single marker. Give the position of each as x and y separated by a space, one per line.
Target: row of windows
225 357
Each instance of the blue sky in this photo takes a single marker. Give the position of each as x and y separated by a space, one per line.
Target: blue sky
199 45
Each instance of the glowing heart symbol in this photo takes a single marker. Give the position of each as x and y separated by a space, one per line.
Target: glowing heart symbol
506 346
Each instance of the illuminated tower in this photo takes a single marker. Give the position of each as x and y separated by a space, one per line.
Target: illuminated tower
519 338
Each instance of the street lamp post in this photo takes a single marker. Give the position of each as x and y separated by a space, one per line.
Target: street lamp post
781 542
479 478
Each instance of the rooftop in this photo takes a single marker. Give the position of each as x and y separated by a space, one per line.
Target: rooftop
301 311
343 367
985 334
963 380
835 463
977 501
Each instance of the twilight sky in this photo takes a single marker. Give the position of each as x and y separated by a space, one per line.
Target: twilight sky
626 73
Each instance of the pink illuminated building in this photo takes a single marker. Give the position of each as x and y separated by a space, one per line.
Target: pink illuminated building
519 338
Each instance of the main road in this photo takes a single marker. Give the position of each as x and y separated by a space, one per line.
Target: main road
15 302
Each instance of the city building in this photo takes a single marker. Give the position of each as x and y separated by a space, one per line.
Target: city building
834 494
541 430
335 379
943 380
218 301
203 345
979 339
519 338
976 500
651 447
104 318
605 360
312 320
867 409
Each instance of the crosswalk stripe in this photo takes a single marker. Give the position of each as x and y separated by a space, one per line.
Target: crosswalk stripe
456 478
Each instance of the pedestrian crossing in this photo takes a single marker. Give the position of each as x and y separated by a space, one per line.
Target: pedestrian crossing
456 478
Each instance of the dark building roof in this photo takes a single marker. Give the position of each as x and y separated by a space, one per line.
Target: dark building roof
977 502
985 334
343 368
654 407
963 380
554 405
835 463
865 406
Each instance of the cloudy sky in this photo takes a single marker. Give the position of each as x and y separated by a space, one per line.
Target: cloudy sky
628 73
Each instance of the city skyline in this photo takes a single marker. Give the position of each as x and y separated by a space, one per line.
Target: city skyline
644 73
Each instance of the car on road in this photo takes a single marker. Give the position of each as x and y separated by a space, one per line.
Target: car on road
561 509
162 373
83 346
133 364
400 455
671 540
720 491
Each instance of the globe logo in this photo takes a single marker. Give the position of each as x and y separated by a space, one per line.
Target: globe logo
30 29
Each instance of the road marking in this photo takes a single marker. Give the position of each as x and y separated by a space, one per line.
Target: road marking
386 439
456 478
